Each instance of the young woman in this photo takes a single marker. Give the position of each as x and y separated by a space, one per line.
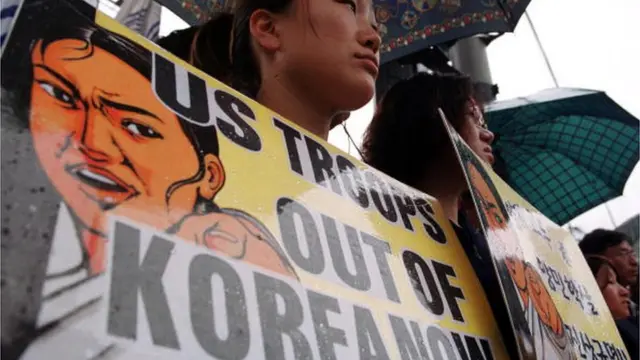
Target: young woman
407 140
615 295
617 298
310 61
407 127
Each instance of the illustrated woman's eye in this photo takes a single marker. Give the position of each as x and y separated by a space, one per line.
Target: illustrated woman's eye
498 218
57 93
140 130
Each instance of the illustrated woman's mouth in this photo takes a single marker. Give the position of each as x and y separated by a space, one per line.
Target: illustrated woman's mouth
101 185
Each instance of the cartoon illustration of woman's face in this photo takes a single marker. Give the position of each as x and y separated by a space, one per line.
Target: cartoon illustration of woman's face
498 227
106 142
528 281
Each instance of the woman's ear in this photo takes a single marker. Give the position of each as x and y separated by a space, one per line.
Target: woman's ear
214 177
262 26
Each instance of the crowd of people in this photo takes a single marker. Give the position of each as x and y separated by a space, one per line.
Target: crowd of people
313 62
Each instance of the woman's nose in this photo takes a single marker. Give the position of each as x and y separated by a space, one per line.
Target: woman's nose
487 136
624 291
370 38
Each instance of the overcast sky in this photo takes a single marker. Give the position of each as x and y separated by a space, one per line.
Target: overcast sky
590 44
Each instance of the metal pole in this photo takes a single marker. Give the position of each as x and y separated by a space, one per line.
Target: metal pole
544 53
469 56
613 222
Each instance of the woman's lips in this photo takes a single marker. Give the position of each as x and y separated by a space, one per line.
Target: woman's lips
101 185
370 63
490 158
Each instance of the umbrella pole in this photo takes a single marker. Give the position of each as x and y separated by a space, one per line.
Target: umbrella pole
469 56
544 53
613 222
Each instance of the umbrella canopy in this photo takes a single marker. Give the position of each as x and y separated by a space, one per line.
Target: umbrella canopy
195 11
564 150
406 26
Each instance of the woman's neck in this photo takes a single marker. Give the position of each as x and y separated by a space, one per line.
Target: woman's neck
279 98
448 195
450 205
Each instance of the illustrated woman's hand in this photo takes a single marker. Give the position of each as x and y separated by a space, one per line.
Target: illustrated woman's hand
238 237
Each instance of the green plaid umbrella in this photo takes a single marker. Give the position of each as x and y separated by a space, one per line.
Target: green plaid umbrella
564 150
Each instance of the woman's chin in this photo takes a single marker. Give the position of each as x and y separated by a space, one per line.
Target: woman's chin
356 96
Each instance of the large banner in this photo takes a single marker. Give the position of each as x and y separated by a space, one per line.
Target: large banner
151 212
556 308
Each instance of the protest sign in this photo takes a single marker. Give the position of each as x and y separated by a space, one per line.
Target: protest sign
556 308
150 211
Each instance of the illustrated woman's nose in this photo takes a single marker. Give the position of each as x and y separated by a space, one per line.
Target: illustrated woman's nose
96 140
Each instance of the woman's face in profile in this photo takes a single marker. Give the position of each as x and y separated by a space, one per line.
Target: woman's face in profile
615 295
103 138
476 134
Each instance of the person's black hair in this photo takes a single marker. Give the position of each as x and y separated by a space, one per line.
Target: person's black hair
596 262
406 138
246 72
599 240
50 29
223 45
206 46
180 42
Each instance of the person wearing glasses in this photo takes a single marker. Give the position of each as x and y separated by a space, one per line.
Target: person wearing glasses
407 127
616 247
616 296
409 111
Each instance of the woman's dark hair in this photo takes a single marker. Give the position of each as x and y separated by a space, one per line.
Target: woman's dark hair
406 137
222 46
244 66
596 262
17 75
205 46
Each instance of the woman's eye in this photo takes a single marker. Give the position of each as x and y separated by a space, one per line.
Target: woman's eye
351 5
57 93
141 130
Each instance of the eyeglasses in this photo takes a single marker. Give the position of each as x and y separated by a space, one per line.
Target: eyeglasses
480 121
625 254
478 116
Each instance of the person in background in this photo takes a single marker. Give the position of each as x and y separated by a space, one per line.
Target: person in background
617 298
616 247
310 61
409 111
